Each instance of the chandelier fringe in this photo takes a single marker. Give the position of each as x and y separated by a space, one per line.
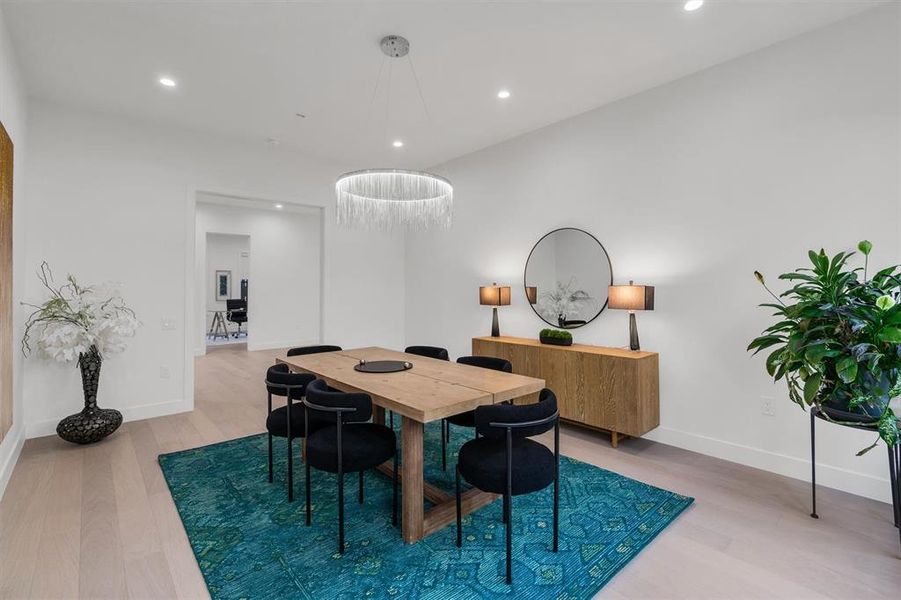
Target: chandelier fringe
388 199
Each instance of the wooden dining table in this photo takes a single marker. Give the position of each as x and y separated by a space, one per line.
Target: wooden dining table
430 391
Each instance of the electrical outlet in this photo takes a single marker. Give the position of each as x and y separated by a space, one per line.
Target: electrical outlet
164 373
767 406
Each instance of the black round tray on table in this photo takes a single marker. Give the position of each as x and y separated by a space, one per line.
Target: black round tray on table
383 366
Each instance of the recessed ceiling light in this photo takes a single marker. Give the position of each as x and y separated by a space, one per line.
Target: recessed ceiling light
167 81
693 5
397 144
273 141
503 94
279 206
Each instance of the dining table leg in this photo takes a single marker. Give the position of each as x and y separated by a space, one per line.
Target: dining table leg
412 480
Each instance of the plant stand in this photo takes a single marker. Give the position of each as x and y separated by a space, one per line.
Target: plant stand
894 465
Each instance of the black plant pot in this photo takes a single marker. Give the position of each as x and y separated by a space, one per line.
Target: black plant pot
555 341
92 424
839 411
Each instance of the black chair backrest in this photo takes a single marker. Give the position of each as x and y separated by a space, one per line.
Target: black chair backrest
312 350
429 351
545 408
487 362
236 304
280 375
318 392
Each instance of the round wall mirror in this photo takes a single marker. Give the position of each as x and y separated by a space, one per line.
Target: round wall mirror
566 278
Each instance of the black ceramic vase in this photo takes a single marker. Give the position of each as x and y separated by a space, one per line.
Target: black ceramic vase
92 424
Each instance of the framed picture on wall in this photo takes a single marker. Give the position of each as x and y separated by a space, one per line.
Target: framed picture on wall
223 285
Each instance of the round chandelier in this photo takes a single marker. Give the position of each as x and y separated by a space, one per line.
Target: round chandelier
394 199
388 199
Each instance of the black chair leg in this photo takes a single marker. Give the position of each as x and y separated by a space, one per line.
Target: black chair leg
361 487
394 499
340 512
309 497
459 513
556 508
290 470
443 445
509 527
270 458
506 508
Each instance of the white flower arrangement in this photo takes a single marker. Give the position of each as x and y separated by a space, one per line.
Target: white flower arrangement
565 301
77 318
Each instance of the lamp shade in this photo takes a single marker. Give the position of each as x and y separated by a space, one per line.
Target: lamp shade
494 295
532 294
631 297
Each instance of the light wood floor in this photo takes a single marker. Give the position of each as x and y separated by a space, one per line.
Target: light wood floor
98 521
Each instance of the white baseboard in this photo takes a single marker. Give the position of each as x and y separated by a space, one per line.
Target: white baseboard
834 477
272 345
10 449
131 413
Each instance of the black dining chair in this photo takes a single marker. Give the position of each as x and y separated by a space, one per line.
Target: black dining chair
505 461
468 418
350 444
302 350
429 351
288 421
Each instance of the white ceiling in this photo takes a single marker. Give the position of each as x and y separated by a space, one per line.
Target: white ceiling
245 68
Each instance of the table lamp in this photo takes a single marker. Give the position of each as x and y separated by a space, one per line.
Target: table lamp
494 295
631 297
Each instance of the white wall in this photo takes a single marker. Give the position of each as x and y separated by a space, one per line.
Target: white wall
691 187
284 293
13 117
112 199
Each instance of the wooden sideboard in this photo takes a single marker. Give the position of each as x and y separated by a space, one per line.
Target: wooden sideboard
607 389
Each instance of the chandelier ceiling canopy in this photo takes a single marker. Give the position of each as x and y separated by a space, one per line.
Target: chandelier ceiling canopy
388 199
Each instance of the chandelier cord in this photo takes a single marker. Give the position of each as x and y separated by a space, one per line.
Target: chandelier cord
388 103
425 107
375 89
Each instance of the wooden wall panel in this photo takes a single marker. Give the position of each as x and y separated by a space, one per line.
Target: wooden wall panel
6 281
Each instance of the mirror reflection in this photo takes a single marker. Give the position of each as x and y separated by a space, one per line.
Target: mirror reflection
566 278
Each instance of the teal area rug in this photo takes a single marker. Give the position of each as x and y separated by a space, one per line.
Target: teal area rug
250 542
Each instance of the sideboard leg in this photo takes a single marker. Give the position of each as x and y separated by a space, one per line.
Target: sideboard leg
614 439
813 466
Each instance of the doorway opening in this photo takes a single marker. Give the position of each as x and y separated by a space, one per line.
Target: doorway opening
257 274
227 290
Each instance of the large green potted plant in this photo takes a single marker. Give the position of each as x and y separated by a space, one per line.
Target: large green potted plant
837 340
